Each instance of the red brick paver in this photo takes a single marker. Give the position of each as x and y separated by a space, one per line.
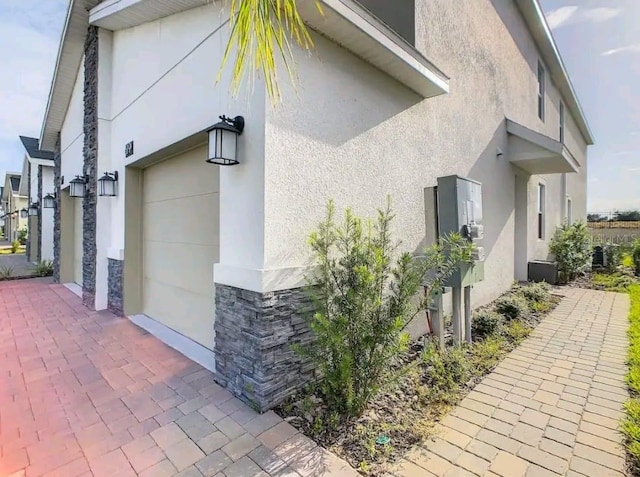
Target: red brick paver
86 393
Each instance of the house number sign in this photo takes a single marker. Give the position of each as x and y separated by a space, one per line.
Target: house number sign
128 149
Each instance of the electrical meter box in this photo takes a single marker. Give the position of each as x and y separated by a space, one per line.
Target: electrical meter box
460 211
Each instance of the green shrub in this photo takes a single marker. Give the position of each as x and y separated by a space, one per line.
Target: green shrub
571 246
613 255
6 271
536 292
15 246
516 332
44 268
485 323
446 370
22 236
512 307
364 296
486 354
635 256
615 282
627 260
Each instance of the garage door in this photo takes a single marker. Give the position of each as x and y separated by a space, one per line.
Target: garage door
77 241
181 244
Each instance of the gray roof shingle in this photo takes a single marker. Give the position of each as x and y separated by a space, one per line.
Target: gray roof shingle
32 145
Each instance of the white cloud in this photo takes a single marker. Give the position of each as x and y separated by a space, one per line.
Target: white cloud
635 48
557 18
572 15
633 169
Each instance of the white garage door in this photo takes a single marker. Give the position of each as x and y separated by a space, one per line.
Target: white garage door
77 241
181 244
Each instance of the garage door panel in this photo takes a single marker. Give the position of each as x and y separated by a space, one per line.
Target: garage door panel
186 266
190 314
187 174
183 220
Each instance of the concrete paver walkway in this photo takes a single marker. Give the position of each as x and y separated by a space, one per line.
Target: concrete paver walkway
552 407
88 394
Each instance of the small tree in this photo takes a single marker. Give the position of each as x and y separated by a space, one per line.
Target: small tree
365 296
571 246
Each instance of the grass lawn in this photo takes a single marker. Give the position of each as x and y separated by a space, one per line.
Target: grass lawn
631 423
7 250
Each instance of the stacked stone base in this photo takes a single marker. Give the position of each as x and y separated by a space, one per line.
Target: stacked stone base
115 293
255 332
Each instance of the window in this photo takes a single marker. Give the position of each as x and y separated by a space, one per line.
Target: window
541 88
541 207
569 211
561 122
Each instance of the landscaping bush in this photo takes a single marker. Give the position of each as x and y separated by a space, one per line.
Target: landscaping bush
635 255
485 323
6 271
446 370
571 246
22 236
44 268
613 255
512 307
364 299
535 292
15 246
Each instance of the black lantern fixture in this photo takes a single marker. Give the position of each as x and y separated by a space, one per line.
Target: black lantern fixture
33 209
24 213
77 186
48 201
223 141
107 184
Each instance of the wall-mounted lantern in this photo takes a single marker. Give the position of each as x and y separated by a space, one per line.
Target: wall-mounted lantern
49 201
78 186
33 209
24 213
223 141
107 184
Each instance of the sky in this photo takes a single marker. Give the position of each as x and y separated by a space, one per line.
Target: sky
599 41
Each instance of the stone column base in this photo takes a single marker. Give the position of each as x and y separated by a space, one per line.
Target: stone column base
253 345
115 292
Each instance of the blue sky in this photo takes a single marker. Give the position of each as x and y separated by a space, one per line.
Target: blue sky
599 41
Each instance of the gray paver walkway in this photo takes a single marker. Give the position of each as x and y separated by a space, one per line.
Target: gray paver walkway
86 393
552 407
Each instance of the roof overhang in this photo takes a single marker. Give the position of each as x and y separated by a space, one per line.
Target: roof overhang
68 62
534 16
343 21
536 153
24 178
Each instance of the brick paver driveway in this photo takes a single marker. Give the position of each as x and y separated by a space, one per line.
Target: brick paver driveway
86 393
552 407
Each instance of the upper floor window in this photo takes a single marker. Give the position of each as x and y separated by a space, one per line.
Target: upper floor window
541 91
561 122
541 210
399 15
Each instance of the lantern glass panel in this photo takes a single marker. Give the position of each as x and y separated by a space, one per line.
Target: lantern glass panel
76 188
107 187
47 201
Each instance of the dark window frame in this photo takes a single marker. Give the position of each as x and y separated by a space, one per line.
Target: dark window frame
541 90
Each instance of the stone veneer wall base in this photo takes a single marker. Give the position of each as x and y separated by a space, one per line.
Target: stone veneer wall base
56 211
39 227
253 344
115 293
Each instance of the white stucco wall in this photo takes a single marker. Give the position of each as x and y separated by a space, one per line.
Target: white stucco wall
353 134
47 215
71 135
33 184
158 86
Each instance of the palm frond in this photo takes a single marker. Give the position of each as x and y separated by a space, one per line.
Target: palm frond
260 30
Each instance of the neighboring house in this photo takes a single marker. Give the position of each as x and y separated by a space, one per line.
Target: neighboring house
1 213
14 205
212 259
36 182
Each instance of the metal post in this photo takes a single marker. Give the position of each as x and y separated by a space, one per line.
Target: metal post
457 319
467 313
437 318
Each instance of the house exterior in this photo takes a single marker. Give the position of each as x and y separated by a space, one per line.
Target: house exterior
1 213
35 182
12 204
212 259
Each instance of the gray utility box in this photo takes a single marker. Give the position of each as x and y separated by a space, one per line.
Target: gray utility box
543 271
460 211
